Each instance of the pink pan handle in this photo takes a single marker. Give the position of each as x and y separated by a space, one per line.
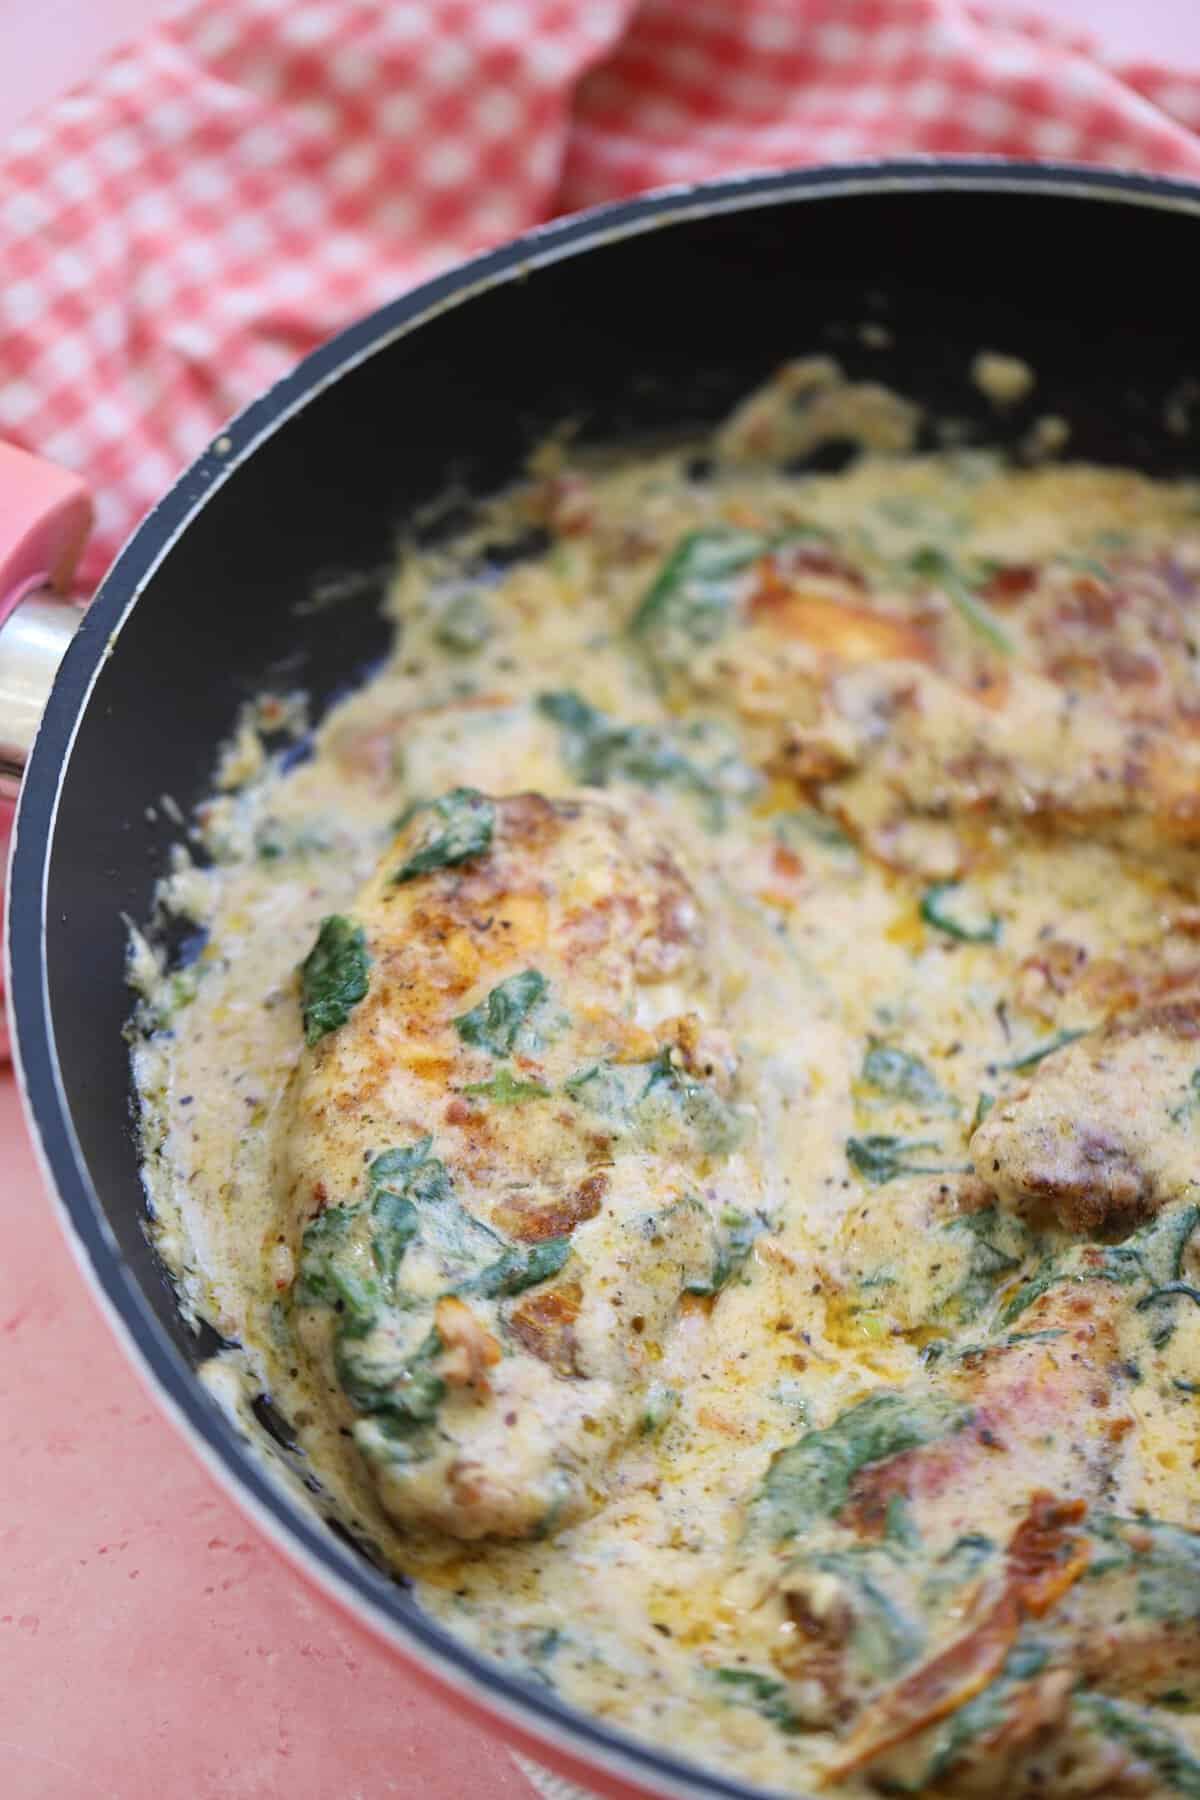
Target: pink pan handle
45 517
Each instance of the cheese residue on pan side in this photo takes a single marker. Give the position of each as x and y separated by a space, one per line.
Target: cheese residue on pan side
687 1102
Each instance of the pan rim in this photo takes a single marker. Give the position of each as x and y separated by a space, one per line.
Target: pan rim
542 1721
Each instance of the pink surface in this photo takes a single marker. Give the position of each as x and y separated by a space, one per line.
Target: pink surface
150 1644
45 514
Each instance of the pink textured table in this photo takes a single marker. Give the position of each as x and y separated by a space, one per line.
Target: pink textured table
150 1645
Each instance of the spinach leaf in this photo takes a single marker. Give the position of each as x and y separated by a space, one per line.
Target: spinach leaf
506 1090
1186 1111
461 827
400 1392
1040 1052
968 1553
690 602
394 1224
934 566
766 1695
1170 1290
1155 1252
461 1243
900 1533
1150 1742
984 1714
1048 1275
983 1107
275 839
996 1244
347 1250
334 1266
351 1260
811 1480
951 909
902 1076
955 1568
669 1107
395 1221
597 751
501 1020
1153 1255
805 826
734 1240
402 1166
675 1104
519 1268
879 1158
660 1402
333 976
885 1639
605 1090
1163 1560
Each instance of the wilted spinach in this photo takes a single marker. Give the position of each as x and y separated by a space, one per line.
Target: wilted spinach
902 1076
764 1693
460 826
933 565
597 750
505 1089
811 1479
1152 1255
953 909
880 1158
500 1023
674 1103
690 601
333 976
1150 1742
734 1238
519 1268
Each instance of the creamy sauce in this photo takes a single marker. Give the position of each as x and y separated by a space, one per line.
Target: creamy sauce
894 795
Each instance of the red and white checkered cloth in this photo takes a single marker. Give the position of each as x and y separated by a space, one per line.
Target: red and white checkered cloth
226 192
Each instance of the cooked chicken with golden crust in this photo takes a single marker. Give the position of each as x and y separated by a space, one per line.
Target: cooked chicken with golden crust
962 1530
510 1157
868 695
1103 1134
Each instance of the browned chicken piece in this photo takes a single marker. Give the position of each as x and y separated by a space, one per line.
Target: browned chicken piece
945 1601
514 1139
1103 1135
958 1458
1041 1409
1033 693
1051 1686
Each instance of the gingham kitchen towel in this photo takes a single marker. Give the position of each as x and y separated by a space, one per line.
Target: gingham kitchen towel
223 194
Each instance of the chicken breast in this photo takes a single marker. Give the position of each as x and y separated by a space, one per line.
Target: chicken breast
936 1544
1073 1638
515 1143
1015 691
1103 1134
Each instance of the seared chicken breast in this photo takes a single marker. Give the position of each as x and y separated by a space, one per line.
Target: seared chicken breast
1102 1134
511 1157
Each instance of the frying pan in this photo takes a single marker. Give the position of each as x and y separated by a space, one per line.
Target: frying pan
628 321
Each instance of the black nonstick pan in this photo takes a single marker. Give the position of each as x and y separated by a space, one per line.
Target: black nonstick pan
652 315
